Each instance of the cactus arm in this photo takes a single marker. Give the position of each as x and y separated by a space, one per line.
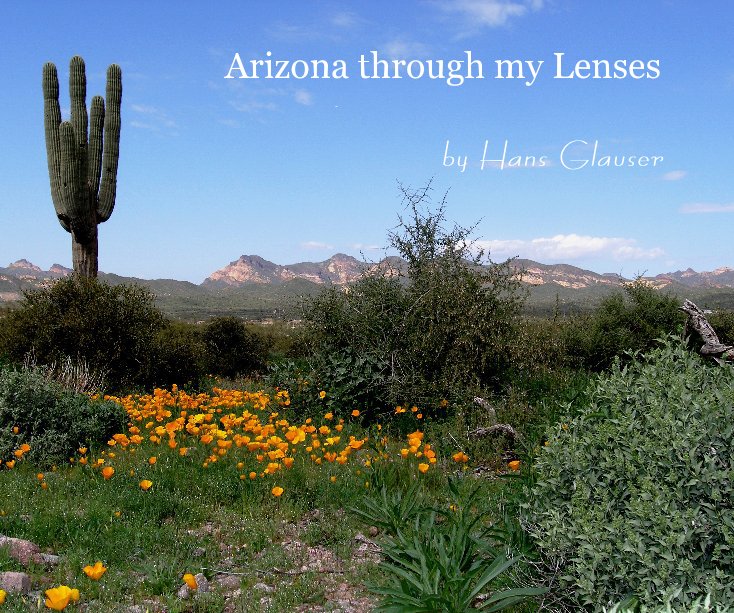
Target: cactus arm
73 192
52 120
96 122
111 152
78 96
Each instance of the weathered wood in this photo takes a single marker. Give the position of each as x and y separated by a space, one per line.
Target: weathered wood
491 413
494 427
712 346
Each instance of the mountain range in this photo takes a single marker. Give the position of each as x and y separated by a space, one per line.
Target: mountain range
254 287
341 269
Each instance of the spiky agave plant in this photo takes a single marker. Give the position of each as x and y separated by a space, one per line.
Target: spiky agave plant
438 560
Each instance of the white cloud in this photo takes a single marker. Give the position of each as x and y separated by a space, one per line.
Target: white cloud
143 108
257 99
254 106
153 119
400 49
345 20
490 13
570 247
707 207
324 28
363 247
230 123
674 175
303 97
294 33
316 245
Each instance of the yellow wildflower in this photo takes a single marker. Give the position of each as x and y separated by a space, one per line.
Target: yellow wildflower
190 580
57 598
95 572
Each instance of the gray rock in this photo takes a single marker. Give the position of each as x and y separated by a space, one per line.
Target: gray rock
49 559
23 551
18 583
228 582
202 582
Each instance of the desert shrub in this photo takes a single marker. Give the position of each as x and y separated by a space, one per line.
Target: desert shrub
627 321
52 420
111 328
539 344
355 335
438 324
700 605
723 324
234 348
286 340
179 356
462 307
633 495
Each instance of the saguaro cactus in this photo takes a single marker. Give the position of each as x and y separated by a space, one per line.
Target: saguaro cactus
83 171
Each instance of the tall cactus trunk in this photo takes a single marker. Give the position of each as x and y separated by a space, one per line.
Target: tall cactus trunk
84 255
82 158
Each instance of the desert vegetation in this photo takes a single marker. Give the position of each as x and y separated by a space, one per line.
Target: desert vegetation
419 443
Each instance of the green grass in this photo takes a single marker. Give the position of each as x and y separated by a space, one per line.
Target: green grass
191 519
207 519
196 519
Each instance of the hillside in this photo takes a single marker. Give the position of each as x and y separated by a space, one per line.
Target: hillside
254 288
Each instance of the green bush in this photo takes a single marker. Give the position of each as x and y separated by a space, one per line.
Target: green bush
55 422
634 494
355 334
723 323
179 356
700 605
111 328
438 324
627 321
234 348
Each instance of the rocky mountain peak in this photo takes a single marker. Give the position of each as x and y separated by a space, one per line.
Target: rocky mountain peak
58 269
24 265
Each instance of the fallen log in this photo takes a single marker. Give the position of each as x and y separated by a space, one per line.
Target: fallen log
712 347
494 427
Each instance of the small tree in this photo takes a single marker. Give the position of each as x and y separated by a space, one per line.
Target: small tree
462 306
234 348
434 323
628 320
110 328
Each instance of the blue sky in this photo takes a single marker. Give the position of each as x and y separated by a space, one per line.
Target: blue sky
299 169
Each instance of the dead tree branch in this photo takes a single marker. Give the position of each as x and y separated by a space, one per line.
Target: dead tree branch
712 347
494 427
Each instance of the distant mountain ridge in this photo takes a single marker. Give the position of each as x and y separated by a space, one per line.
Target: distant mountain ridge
341 269
255 288
338 269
